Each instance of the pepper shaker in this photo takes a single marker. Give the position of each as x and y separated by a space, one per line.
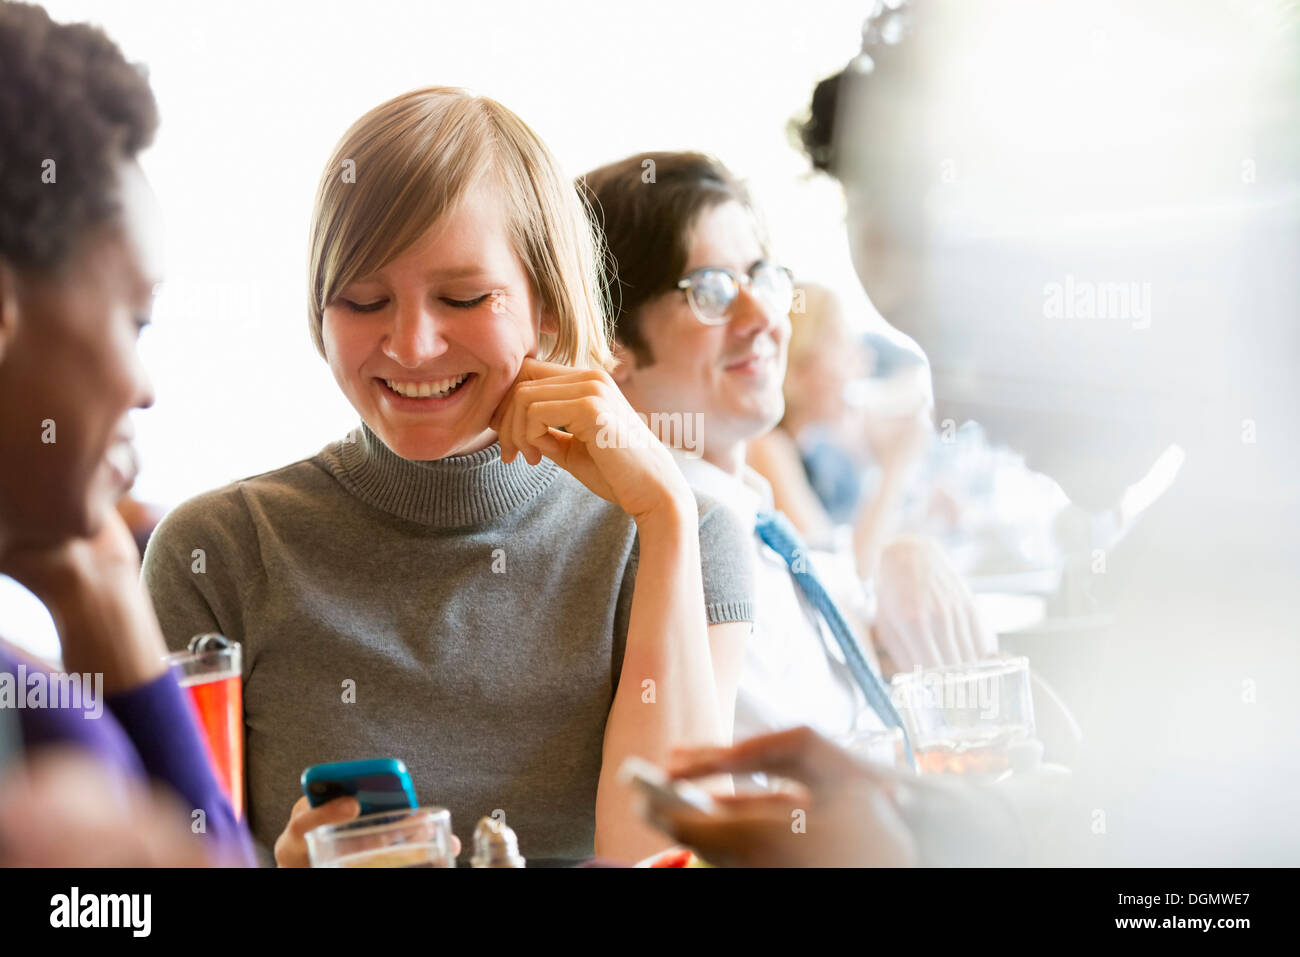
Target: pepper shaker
495 845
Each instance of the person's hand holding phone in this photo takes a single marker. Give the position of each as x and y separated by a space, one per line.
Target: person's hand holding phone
291 845
847 816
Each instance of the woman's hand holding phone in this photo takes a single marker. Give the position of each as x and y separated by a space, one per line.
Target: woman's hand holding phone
291 845
580 420
375 779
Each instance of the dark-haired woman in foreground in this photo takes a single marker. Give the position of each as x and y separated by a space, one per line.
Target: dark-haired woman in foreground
78 264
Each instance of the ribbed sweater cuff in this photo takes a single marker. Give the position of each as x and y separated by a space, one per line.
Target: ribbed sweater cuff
723 612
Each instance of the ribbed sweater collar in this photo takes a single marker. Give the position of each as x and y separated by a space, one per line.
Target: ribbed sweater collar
453 492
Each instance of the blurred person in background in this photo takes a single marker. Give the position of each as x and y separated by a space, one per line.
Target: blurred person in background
980 228
79 260
856 459
818 456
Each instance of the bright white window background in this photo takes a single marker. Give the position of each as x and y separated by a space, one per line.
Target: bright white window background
253 96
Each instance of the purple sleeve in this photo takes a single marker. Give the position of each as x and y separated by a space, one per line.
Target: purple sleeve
158 719
145 732
83 727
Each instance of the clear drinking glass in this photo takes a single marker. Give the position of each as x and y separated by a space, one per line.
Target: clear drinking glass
409 838
967 719
211 673
878 746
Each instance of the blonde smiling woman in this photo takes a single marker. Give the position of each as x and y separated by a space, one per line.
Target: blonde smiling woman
515 605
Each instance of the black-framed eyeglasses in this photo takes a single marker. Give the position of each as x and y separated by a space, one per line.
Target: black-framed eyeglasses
712 290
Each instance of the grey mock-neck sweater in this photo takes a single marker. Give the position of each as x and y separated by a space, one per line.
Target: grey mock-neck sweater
465 615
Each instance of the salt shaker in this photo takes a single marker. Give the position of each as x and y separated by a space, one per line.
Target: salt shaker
495 845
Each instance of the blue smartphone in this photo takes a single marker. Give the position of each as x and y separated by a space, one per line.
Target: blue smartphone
380 784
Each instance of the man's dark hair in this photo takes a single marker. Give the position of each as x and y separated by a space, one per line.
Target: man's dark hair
646 205
67 95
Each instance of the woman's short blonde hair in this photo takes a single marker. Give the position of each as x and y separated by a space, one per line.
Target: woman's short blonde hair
409 161
816 321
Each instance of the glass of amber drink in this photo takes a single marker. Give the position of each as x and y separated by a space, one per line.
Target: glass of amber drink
967 719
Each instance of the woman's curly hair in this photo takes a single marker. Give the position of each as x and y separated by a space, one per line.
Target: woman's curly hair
67 95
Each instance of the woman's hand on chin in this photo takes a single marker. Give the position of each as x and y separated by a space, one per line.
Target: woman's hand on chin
580 420
59 572
92 588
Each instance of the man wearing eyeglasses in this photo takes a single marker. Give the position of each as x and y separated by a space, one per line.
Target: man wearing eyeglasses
701 315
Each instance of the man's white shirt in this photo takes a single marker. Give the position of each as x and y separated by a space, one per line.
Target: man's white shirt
794 670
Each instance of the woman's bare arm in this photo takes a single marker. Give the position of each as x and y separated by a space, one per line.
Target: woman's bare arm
667 693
